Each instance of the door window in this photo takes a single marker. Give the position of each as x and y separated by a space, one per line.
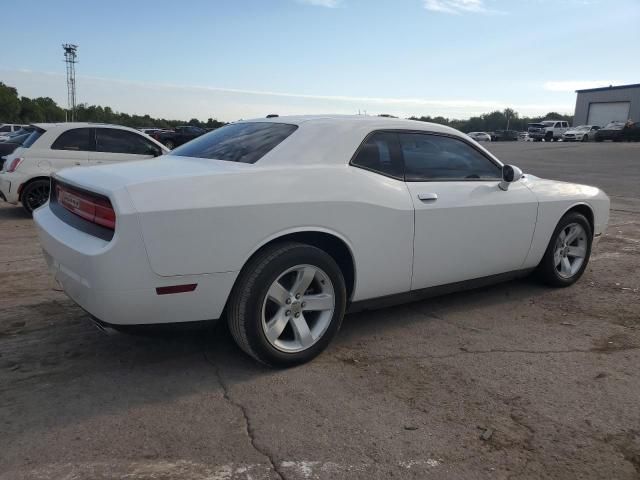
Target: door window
77 139
434 157
112 140
379 153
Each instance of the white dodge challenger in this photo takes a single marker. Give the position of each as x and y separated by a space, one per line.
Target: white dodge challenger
282 225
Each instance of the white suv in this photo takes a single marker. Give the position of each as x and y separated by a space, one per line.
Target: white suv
52 146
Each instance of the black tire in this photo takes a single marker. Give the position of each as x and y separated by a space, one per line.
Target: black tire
548 137
35 194
244 310
585 138
169 144
546 270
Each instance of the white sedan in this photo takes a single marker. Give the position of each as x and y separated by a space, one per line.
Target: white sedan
480 136
281 225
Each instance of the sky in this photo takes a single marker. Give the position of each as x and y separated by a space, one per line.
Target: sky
232 59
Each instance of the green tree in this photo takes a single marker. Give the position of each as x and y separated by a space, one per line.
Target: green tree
9 104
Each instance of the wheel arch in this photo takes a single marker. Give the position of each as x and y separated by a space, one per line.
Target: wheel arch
586 210
29 182
336 245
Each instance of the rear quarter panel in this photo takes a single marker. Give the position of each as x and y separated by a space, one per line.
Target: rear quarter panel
214 223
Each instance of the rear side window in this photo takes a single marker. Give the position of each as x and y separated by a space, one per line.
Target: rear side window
238 142
380 153
112 140
77 139
31 139
5 128
433 157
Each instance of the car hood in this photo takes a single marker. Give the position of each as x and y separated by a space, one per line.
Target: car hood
577 132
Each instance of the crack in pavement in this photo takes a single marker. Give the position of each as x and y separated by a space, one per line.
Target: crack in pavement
247 421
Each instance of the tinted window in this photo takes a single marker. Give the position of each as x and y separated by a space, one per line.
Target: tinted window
5 128
379 153
112 140
32 137
239 142
78 139
432 157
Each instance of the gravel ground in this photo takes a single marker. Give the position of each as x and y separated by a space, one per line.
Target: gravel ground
512 381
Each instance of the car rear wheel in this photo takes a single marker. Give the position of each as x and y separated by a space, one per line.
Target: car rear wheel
568 252
287 305
35 194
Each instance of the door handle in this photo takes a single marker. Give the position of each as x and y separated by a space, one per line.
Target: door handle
428 197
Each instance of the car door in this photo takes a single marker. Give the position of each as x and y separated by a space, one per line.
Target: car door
70 149
115 145
466 227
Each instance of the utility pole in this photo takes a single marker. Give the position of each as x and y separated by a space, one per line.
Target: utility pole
70 58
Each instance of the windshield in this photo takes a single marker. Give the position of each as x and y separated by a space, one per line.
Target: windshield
582 128
614 126
239 142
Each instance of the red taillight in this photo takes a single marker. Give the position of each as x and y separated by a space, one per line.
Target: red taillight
14 164
92 207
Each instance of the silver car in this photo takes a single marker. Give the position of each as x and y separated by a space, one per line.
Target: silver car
583 133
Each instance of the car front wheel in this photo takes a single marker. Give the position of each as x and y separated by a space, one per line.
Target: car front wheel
35 194
568 252
287 305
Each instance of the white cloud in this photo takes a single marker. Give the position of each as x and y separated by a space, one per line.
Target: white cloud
228 104
457 7
573 85
322 3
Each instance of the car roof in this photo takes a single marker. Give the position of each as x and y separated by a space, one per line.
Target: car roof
373 122
333 139
69 125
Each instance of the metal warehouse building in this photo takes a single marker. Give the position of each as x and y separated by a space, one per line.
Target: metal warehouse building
599 106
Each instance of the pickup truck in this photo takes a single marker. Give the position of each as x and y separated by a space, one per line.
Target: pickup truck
174 138
548 130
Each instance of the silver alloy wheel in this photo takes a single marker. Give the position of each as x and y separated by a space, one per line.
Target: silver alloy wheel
298 308
570 250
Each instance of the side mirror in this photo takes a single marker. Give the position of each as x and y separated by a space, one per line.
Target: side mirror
510 174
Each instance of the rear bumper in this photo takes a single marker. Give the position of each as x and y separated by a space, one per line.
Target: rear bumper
9 188
112 280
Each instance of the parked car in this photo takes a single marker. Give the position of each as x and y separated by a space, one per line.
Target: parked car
284 231
504 136
524 136
548 130
7 128
583 133
619 132
52 146
480 136
179 136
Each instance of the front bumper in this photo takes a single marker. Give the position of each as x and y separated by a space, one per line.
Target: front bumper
112 280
